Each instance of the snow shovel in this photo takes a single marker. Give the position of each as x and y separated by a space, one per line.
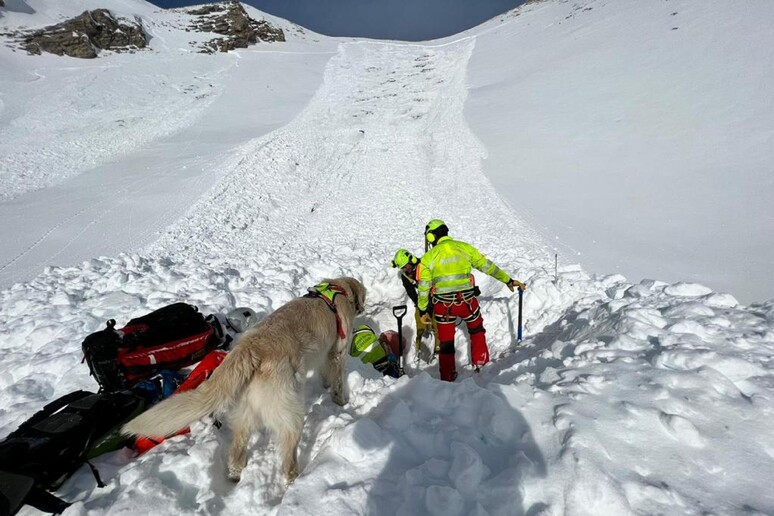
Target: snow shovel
399 311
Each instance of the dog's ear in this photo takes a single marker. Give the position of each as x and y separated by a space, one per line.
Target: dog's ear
356 292
360 294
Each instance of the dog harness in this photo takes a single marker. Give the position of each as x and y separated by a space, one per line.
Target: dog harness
328 293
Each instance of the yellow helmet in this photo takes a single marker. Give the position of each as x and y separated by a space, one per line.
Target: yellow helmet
435 229
402 258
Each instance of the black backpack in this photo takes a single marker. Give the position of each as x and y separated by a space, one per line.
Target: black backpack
171 337
47 448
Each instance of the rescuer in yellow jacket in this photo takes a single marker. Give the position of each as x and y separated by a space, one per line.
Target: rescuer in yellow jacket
446 287
371 349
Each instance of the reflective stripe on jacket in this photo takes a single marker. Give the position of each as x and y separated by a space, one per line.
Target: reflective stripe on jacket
446 268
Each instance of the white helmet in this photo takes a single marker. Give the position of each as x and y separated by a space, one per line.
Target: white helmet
242 318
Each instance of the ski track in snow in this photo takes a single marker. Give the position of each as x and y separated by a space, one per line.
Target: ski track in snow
624 398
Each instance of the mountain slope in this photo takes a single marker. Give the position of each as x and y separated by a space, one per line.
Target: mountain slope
636 135
117 147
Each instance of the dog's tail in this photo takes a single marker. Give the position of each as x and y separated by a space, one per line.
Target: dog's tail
216 394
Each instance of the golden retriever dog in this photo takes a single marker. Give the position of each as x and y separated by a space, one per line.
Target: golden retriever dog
261 382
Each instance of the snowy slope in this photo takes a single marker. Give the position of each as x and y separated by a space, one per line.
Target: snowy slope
637 136
125 141
318 159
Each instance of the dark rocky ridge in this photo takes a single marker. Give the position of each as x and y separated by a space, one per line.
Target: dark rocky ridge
237 28
85 35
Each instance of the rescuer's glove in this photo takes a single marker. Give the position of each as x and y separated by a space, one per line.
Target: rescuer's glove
516 283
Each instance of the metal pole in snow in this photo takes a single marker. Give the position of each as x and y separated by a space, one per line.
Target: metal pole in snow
518 334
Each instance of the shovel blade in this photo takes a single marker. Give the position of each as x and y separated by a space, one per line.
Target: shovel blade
426 350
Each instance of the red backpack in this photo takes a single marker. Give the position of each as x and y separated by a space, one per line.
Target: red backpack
171 337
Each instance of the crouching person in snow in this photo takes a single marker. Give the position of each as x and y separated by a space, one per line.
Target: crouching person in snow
374 350
407 263
446 288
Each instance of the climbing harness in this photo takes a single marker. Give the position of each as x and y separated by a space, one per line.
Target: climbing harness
454 299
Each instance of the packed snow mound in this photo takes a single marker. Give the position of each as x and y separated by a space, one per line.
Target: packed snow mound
646 396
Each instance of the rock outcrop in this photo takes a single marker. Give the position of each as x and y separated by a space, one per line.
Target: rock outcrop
85 35
230 20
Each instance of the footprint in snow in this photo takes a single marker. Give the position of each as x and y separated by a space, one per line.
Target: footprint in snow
682 430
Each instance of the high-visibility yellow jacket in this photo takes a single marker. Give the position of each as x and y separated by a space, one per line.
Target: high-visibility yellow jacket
366 346
446 268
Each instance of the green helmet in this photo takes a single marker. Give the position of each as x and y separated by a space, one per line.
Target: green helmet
435 229
402 258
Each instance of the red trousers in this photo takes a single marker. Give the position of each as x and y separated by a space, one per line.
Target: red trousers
445 316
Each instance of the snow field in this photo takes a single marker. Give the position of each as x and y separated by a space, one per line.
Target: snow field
579 401
384 130
635 136
437 451
219 269
124 203
657 398
89 115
